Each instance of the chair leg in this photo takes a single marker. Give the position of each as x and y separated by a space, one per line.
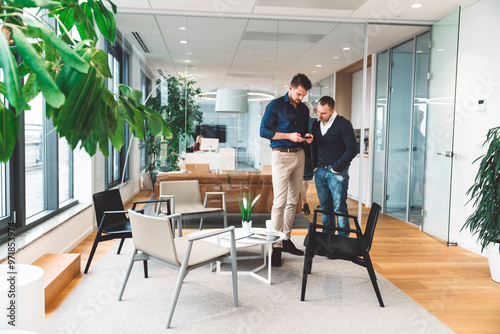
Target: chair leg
234 275
120 247
178 285
305 272
225 219
92 251
145 269
127 274
201 224
373 278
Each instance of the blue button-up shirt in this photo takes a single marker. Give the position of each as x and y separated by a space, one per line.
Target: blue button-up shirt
282 116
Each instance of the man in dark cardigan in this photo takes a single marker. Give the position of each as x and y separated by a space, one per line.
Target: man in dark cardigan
333 149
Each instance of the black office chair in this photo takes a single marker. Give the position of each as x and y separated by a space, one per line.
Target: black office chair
334 246
113 223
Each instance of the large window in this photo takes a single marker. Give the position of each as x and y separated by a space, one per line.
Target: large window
34 157
118 61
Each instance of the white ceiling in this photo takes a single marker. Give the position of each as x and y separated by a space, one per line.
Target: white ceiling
261 44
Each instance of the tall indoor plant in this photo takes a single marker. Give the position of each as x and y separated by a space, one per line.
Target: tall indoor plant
181 113
485 194
70 72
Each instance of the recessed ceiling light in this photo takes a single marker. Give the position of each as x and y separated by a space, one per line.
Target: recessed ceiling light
318 65
187 61
416 5
336 57
346 48
440 50
313 71
420 51
183 42
183 28
189 53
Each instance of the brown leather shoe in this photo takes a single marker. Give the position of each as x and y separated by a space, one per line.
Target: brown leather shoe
276 257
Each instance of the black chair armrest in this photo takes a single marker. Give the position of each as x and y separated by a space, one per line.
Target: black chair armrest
335 213
152 201
333 228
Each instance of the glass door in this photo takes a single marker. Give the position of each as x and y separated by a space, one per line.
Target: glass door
416 186
378 190
440 125
399 129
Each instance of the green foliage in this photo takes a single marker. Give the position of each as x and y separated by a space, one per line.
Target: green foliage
246 205
485 193
71 75
181 113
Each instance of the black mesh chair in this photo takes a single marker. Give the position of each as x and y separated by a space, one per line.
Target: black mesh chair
113 221
334 246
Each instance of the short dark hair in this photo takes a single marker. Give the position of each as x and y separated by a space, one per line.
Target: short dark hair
301 79
327 100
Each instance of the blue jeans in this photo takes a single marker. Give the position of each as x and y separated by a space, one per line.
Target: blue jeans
332 194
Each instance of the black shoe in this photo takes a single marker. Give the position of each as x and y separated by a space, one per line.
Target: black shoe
306 210
276 257
289 247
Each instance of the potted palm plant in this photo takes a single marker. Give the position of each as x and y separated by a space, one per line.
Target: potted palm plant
152 147
485 194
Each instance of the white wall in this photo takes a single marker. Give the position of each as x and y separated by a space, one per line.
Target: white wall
478 78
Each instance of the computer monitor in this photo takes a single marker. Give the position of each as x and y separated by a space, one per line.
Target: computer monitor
209 144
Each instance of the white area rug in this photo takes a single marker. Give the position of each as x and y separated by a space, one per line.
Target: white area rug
339 299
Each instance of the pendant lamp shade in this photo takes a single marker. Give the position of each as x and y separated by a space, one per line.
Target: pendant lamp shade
231 101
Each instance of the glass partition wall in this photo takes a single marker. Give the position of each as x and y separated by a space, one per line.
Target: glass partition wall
262 55
400 128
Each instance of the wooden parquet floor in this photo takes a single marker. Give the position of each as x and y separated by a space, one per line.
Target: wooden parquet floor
450 282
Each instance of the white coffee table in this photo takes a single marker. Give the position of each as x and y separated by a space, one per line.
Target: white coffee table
243 242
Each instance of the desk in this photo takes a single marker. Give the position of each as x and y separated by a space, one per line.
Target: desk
242 242
224 159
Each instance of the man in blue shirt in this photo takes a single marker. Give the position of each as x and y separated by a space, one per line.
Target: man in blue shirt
286 124
333 149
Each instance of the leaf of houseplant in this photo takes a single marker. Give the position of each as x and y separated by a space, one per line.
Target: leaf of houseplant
8 133
100 61
69 55
105 21
13 91
67 18
83 24
76 111
34 3
113 6
133 94
51 91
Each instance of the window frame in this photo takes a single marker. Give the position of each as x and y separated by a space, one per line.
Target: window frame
123 58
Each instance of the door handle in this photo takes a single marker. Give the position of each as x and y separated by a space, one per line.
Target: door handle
448 154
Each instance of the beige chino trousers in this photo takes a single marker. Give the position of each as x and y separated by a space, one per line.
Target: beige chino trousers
288 172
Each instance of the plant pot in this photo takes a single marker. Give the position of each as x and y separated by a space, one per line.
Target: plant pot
247 227
494 261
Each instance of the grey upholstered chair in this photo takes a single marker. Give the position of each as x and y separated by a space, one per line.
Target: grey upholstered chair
185 198
153 238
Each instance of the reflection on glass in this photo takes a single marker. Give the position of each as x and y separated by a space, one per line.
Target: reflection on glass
380 114
399 116
34 157
65 163
419 128
439 139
